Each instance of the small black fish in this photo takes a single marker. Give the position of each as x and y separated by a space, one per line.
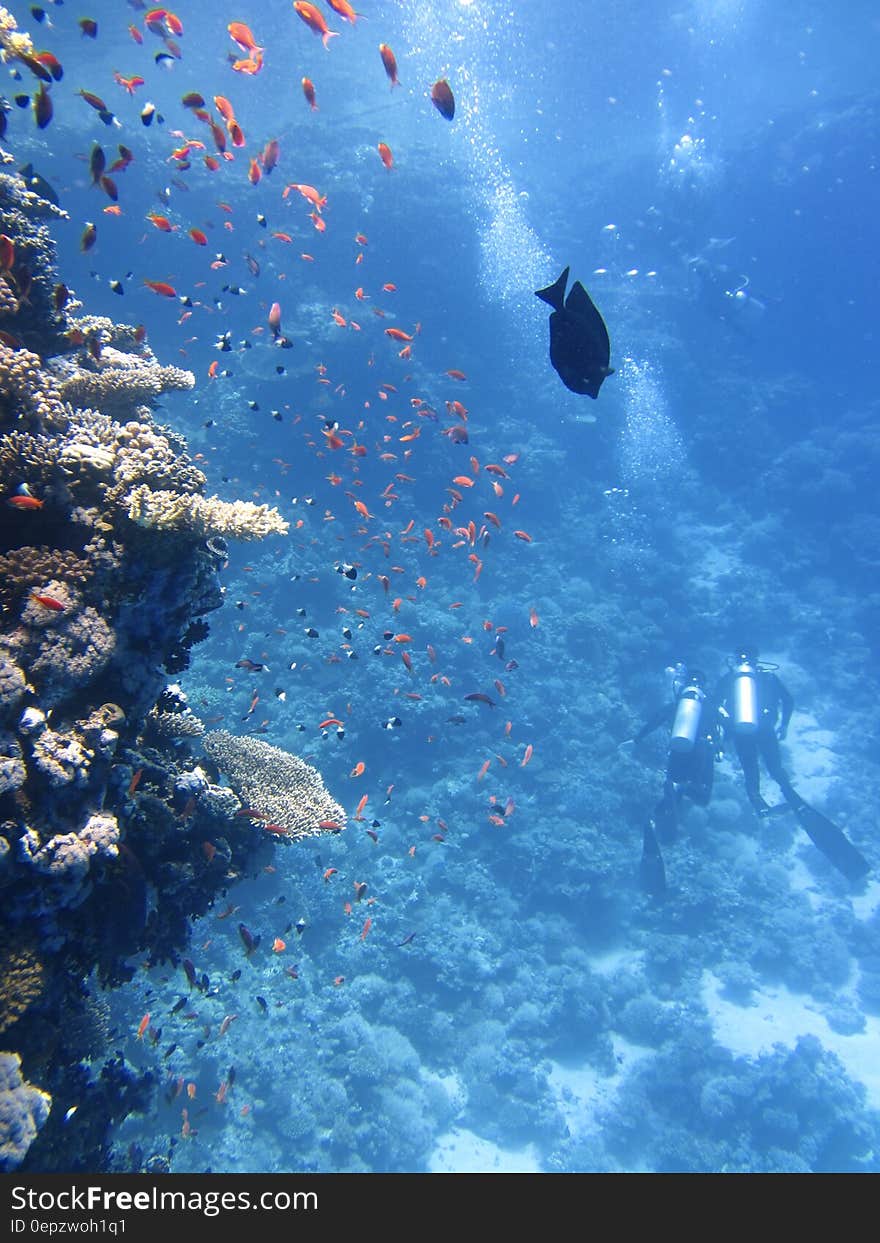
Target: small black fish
262 1003
249 941
117 287
236 975
171 1049
97 163
190 971
178 1005
406 940
43 110
579 345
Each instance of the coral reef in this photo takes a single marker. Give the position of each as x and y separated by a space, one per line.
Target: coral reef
206 516
290 792
111 837
23 1110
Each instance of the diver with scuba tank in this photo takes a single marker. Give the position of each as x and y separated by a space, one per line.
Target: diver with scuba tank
756 708
694 735
694 745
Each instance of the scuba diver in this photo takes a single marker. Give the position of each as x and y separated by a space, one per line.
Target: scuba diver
694 745
756 709
725 292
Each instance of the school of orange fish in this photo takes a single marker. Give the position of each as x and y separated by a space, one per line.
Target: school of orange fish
395 550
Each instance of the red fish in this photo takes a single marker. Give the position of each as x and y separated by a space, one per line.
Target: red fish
344 9
443 99
269 158
240 33
308 87
162 288
48 602
314 19
390 63
23 501
385 155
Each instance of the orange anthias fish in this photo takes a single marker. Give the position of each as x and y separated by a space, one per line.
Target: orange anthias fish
390 62
24 501
48 602
162 288
308 87
385 155
143 1025
240 33
162 223
314 19
344 9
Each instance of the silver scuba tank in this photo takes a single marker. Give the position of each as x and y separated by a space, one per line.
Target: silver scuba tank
745 709
687 719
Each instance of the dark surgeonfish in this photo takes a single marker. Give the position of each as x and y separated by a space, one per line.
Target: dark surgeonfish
38 184
579 345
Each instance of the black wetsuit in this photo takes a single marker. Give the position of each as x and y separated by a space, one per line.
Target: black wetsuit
775 706
688 773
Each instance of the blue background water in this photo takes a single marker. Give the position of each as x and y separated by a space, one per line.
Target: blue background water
546 1014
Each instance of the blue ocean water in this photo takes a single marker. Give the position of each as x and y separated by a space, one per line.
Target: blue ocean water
504 995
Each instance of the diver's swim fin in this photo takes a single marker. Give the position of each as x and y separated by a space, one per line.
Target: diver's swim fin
834 845
652 873
665 819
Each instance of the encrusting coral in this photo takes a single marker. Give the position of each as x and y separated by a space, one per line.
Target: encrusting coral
290 792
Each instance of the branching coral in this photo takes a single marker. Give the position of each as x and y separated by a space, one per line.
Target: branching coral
289 791
26 390
206 516
24 569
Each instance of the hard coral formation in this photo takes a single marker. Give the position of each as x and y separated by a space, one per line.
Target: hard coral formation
21 981
116 382
23 1110
290 792
109 560
206 516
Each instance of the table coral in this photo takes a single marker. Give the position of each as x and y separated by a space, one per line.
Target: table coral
206 516
289 791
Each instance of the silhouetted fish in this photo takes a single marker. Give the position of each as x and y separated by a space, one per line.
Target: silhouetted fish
38 184
579 345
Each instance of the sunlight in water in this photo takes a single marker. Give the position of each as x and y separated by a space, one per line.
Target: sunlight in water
651 447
